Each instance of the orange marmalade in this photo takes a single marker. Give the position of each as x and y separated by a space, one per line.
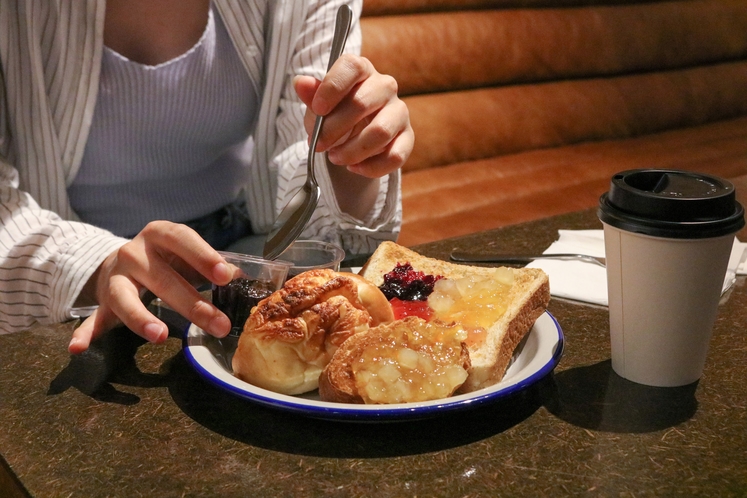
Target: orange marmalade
411 360
474 302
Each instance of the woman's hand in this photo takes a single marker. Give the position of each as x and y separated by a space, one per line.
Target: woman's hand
367 127
168 260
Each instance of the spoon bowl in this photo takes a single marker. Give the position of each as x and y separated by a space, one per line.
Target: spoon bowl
297 213
292 219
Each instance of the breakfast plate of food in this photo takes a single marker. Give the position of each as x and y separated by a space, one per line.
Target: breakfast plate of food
408 337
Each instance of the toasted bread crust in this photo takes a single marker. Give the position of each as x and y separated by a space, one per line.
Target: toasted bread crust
529 298
388 254
520 320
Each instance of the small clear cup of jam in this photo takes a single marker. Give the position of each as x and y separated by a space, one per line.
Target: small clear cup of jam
254 279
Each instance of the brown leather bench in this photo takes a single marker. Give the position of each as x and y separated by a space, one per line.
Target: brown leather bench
525 108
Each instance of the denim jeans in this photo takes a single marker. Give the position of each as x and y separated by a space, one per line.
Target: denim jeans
225 226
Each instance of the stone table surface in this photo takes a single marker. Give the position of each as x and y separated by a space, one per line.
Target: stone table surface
144 423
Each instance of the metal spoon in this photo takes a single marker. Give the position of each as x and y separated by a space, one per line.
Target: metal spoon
294 216
522 258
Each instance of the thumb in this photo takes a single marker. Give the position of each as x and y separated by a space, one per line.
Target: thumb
305 87
86 332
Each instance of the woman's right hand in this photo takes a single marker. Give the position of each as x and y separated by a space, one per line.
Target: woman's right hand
167 259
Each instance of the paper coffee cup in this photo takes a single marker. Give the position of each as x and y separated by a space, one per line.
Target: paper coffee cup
668 236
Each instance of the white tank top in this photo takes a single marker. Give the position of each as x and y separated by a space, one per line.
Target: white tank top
168 141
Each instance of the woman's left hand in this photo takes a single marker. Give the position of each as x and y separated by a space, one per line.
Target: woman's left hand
367 127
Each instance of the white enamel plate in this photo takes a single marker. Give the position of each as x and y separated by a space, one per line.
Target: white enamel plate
537 356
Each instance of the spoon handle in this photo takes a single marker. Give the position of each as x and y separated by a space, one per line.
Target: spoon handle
342 28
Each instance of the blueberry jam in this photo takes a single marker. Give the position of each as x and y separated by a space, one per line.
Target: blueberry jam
238 298
407 284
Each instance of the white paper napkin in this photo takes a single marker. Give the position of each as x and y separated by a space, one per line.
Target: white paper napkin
587 282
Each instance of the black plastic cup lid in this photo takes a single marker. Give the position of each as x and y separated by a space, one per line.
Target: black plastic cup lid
671 204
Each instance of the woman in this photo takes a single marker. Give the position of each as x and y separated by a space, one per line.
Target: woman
100 101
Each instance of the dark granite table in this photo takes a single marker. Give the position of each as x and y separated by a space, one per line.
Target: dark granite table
152 427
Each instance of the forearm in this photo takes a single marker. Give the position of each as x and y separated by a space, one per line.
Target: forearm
87 296
44 261
356 195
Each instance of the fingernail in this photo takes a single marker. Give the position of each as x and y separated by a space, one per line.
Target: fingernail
73 343
153 332
221 272
219 326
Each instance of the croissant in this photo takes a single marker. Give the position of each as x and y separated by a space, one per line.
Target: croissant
291 335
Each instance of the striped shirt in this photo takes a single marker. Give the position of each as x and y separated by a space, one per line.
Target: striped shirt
51 53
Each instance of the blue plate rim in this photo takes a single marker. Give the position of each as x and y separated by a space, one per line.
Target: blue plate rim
380 413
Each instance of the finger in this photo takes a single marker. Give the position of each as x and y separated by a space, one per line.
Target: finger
125 306
185 300
347 72
158 276
182 248
99 322
375 137
83 335
306 87
158 259
392 158
364 102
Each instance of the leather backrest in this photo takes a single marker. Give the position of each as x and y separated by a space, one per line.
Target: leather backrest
393 7
485 78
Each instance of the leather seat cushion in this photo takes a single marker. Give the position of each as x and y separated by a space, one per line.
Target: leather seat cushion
471 196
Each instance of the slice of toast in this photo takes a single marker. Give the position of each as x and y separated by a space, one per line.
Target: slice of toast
528 299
